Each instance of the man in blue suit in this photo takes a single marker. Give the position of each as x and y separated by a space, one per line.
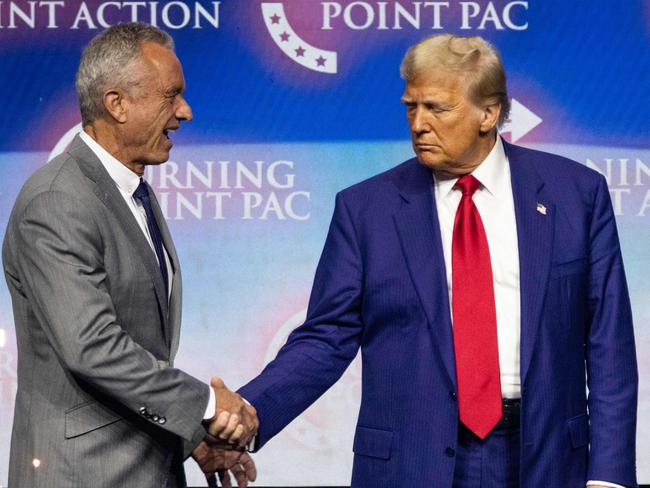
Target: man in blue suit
483 283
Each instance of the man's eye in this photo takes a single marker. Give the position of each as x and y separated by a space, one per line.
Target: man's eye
436 109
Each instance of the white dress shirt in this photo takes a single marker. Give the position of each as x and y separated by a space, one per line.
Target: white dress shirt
495 204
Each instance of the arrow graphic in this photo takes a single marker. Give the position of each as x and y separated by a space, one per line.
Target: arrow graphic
521 121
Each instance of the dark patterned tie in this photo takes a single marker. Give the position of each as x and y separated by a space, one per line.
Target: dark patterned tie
474 316
142 194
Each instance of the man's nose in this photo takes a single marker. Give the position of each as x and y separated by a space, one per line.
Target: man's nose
419 121
184 111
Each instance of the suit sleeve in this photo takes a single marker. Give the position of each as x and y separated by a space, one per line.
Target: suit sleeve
611 357
60 258
318 352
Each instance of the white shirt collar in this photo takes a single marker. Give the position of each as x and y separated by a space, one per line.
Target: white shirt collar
493 173
125 179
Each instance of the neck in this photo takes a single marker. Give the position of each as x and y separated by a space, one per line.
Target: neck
484 146
106 136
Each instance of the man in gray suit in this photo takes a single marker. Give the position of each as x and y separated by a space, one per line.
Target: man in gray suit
96 289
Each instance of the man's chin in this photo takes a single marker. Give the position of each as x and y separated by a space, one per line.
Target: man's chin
158 159
430 160
443 168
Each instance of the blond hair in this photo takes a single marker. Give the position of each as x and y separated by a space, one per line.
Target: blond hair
473 58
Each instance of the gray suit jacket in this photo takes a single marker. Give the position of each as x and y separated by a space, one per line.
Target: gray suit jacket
99 402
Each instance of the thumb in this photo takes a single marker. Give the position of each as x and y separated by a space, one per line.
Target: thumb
217 383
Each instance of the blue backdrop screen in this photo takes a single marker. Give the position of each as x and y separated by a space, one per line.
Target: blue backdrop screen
293 101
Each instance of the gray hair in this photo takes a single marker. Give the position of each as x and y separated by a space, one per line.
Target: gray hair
473 58
106 63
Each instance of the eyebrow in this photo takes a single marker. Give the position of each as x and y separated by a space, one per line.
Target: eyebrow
426 101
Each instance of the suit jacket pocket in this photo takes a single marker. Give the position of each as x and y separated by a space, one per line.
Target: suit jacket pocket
579 431
373 442
87 417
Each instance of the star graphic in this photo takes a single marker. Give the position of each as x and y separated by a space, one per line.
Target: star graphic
320 61
300 52
275 19
285 36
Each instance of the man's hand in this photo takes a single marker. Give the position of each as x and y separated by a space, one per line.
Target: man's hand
243 471
234 420
220 459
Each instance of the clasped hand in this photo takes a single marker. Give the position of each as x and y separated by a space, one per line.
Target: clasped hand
233 426
234 420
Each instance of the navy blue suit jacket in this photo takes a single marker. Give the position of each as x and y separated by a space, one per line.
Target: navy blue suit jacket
381 285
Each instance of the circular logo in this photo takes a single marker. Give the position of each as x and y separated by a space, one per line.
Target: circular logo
64 142
326 424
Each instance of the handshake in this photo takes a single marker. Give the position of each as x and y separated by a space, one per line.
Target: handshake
223 449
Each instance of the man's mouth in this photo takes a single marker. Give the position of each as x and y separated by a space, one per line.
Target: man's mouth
168 132
424 146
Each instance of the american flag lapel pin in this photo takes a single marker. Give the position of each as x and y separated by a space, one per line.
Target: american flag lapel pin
541 208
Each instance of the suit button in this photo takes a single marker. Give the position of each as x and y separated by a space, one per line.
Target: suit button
449 452
155 418
452 395
143 410
162 420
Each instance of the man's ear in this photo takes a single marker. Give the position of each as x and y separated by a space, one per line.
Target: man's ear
114 103
490 117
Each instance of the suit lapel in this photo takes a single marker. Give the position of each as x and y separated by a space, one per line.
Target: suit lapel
419 233
176 294
108 193
535 238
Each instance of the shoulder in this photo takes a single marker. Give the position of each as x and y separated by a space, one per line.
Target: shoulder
387 185
58 174
55 189
551 167
566 181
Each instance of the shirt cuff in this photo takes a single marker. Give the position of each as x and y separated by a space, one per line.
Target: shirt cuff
603 483
209 415
209 411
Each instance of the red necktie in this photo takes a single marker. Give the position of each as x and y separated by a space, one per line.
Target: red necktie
474 318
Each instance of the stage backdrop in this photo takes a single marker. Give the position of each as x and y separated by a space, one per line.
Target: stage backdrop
293 101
